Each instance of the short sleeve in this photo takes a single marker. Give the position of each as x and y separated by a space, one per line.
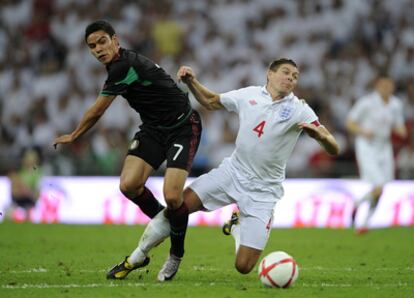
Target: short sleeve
120 76
308 115
357 111
231 100
399 114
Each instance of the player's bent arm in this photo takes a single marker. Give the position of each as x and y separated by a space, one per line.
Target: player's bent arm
354 128
92 115
327 140
322 136
401 131
207 98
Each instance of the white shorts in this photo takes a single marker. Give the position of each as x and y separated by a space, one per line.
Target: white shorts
220 187
375 166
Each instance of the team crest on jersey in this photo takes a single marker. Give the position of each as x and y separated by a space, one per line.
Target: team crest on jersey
285 112
134 145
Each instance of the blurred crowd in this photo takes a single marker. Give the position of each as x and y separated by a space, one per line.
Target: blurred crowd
48 78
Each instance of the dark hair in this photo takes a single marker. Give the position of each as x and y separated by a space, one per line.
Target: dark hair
383 74
275 64
97 26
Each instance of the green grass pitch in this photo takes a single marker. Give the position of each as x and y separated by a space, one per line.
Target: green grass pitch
71 261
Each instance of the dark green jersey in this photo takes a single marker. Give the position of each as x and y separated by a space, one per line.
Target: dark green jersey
148 89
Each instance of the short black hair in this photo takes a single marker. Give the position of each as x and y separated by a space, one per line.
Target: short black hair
97 26
275 64
383 73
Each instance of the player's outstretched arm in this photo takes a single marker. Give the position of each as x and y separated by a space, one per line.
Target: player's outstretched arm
207 98
323 136
88 120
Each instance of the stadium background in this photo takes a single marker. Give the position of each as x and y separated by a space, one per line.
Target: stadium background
47 77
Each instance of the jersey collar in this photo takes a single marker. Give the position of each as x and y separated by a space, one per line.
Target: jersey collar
286 98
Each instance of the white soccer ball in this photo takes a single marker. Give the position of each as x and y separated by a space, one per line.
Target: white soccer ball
278 270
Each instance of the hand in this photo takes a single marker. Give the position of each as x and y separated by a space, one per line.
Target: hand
64 139
185 74
312 130
367 134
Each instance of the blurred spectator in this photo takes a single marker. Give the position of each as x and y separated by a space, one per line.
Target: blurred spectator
405 161
405 157
167 33
25 184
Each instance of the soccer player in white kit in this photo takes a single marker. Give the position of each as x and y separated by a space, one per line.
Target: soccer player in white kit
372 120
271 119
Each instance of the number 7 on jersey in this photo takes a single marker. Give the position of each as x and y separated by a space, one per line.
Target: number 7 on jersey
259 128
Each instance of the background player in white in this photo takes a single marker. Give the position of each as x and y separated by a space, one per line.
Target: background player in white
372 120
271 120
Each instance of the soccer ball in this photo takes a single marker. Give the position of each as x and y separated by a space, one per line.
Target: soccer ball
278 270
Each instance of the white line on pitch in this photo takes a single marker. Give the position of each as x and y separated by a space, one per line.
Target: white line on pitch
49 286
199 268
398 284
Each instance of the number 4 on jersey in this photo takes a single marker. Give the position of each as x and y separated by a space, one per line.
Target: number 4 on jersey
259 128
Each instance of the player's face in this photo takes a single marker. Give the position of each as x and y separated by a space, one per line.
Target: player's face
102 46
385 87
284 79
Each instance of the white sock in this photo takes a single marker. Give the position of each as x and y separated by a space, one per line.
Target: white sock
235 232
136 257
156 231
367 197
371 211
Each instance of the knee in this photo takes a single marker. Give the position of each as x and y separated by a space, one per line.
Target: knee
244 266
173 198
377 192
173 201
130 188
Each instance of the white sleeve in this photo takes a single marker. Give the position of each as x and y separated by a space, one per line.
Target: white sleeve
357 111
308 115
231 100
398 114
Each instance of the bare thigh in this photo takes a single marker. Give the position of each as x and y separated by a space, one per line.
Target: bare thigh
192 200
134 175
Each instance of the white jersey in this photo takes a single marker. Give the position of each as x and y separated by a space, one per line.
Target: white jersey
375 156
373 114
267 134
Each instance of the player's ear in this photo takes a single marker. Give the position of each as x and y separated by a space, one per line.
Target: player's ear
115 39
268 75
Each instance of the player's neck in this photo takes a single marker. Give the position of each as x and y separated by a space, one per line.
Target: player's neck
276 95
385 98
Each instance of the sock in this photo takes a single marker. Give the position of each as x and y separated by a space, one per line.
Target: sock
178 219
136 257
235 232
148 203
367 197
371 210
156 231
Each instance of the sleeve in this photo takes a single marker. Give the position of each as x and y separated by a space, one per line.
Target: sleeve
120 76
398 114
309 116
231 100
357 111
